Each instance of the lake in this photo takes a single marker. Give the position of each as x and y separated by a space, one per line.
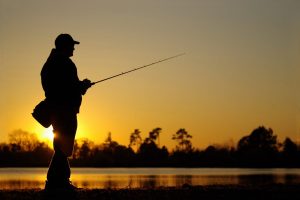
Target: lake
24 178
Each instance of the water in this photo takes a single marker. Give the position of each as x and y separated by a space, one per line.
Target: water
23 178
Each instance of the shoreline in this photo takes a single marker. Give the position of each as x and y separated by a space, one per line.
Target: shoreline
220 192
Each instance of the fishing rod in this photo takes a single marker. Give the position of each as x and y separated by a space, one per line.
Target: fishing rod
138 68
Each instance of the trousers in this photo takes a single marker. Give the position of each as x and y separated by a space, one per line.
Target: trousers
64 127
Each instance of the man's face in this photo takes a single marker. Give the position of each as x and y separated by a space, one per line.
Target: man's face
69 50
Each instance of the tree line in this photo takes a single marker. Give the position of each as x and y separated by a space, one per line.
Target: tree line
260 148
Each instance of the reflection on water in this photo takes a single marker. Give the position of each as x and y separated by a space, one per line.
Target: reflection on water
21 184
23 178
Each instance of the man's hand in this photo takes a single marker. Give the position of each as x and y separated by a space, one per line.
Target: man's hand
85 84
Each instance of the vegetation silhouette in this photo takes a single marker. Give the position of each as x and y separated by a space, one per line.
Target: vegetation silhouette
135 139
260 148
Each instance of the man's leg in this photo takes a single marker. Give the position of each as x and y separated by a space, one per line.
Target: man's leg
59 169
64 127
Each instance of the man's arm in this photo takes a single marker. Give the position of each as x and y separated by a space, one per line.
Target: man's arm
85 85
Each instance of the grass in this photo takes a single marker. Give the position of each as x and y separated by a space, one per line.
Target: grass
213 192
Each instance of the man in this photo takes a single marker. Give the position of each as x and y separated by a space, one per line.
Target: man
63 91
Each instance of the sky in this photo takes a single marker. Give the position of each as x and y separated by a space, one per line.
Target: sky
240 71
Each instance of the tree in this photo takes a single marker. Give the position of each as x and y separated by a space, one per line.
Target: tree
183 139
260 138
153 136
135 139
85 149
149 153
109 143
259 148
289 147
290 153
23 141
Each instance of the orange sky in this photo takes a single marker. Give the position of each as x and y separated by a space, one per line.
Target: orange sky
241 69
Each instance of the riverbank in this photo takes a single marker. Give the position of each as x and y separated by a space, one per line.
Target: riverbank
213 192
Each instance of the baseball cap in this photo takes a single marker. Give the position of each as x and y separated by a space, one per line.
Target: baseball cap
64 39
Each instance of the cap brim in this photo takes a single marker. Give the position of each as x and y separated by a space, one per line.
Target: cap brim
76 42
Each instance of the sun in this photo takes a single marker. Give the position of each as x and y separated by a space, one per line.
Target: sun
48 134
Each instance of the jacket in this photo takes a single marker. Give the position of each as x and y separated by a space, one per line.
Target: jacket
62 87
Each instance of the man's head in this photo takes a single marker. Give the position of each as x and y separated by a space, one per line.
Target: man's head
64 43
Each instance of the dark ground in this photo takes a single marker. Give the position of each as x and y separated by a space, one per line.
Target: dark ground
214 192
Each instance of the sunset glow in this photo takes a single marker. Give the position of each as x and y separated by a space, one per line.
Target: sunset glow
240 71
48 136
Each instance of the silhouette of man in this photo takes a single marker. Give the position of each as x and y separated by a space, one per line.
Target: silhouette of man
63 91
